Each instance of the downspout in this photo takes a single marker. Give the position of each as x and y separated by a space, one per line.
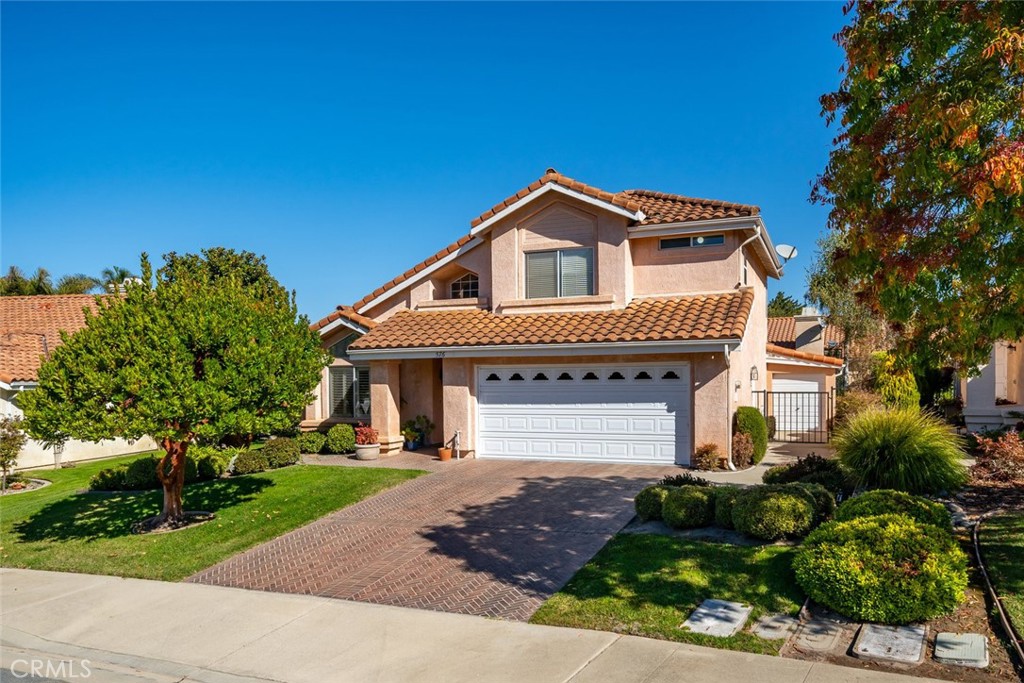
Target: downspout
728 406
757 234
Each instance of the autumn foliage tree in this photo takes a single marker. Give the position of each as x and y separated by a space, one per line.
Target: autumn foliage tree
926 177
196 352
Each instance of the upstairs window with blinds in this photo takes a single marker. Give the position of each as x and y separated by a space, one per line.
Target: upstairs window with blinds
350 392
563 272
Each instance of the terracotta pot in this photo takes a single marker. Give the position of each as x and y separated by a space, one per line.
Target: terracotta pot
368 451
445 453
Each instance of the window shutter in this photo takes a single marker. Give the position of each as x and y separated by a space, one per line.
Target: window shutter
362 392
341 391
577 272
542 275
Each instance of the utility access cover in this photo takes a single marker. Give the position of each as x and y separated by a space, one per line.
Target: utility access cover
903 644
718 618
962 649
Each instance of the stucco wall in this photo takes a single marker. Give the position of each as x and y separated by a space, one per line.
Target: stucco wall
419 381
693 270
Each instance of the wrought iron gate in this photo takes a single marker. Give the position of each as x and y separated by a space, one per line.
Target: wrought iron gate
797 416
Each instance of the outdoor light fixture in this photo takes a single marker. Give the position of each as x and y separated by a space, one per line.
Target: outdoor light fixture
753 373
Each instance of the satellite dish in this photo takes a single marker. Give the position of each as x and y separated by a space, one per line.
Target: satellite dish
786 252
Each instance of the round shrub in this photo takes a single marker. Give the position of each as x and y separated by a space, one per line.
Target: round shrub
340 439
212 464
773 512
649 501
887 569
684 479
905 450
312 442
249 462
688 507
886 502
824 500
141 473
813 469
725 499
750 421
109 479
281 452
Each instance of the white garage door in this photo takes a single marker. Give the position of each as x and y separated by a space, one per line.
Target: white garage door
606 413
796 404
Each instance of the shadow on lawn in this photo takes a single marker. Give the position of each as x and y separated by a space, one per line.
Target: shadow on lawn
92 516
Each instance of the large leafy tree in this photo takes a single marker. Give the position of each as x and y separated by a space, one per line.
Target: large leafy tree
783 306
192 353
927 174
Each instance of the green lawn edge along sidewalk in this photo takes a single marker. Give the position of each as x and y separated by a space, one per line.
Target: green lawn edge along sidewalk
647 585
1002 547
63 527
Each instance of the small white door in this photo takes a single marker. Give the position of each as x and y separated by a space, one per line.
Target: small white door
626 413
796 404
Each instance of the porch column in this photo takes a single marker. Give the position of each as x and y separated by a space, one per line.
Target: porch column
384 401
458 416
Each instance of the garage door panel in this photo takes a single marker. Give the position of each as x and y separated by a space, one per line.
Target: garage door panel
643 417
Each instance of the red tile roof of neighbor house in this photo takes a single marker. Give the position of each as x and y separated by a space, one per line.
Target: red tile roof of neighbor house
803 355
30 328
688 318
348 313
657 207
782 332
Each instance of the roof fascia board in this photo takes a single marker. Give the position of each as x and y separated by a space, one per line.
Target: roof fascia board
527 350
555 187
341 322
405 284
785 360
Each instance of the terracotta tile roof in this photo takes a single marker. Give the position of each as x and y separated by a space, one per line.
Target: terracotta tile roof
30 328
782 332
658 207
346 312
711 317
662 207
802 355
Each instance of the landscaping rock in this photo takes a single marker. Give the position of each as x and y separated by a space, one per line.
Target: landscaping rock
719 618
902 644
818 635
962 649
775 626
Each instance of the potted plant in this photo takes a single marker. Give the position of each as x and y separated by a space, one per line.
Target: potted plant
423 426
411 436
367 443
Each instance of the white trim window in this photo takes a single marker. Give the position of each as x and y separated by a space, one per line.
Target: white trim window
466 287
350 392
689 242
559 273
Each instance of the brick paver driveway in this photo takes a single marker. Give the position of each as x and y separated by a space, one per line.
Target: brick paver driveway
491 538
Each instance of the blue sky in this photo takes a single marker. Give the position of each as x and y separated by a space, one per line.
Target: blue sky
347 142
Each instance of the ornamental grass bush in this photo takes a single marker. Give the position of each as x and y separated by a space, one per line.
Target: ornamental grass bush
905 450
648 503
689 507
812 469
340 439
750 421
887 502
705 457
725 499
312 442
774 512
281 452
851 403
886 568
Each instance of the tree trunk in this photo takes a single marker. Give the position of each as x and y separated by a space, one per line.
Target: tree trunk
171 472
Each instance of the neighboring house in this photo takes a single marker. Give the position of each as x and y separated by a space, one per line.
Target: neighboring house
804 357
994 398
571 323
30 328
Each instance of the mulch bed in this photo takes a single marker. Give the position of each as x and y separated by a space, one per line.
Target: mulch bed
24 486
153 525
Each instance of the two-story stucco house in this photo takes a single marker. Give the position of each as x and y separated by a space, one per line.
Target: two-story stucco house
571 323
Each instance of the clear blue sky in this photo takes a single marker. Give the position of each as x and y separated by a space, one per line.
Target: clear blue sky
347 142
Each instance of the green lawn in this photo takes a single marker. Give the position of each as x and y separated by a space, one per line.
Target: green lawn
1002 546
647 585
64 528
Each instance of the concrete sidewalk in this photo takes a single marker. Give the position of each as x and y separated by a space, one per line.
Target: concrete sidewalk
131 630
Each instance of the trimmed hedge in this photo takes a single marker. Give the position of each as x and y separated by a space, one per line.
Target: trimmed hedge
887 502
886 568
684 479
750 421
341 439
312 442
211 462
281 452
110 479
648 503
813 469
688 507
250 462
774 512
141 474
725 499
824 500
